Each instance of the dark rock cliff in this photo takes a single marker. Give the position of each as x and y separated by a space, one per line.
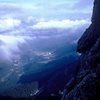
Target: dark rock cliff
86 84
91 34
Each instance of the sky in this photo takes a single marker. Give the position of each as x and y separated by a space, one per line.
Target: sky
47 9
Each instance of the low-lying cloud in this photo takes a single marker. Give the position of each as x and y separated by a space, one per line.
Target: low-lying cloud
32 26
67 23
33 34
9 44
9 23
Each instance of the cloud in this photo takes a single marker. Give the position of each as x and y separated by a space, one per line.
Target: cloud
9 44
10 9
9 23
67 23
32 31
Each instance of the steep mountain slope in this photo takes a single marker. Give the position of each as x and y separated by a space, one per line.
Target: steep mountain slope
86 85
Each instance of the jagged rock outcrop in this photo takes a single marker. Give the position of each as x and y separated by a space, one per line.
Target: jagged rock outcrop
93 32
86 84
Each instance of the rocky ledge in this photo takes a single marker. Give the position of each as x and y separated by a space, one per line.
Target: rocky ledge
86 84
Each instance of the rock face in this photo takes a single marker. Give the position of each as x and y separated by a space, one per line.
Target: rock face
86 84
93 32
